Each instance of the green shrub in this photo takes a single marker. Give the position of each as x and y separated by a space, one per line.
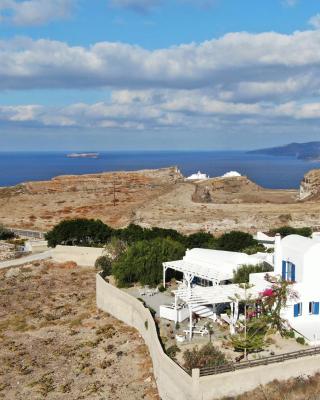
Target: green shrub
241 275
5 234
206 356
200 240
142 262
104 263
172 351
300 340
162 288
79 232
289 230
255 249
134 233
235 241
290 334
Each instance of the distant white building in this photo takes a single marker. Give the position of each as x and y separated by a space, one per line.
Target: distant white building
198 176
231 174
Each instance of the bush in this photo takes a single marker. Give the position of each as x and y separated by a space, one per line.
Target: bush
236 241
255 249
172 351
142 262
104 263
79 232
241 275
200 240
289 334
289 230
5 234
162 288
134 233
207 356
300 340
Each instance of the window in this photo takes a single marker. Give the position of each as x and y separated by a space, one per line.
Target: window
202 282
288 271
314 307
297 309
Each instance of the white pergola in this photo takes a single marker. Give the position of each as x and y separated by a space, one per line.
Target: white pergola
197 296
215 275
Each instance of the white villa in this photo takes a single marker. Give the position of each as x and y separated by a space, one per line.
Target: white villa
207 289
296 259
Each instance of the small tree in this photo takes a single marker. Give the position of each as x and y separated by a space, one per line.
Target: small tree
115 248
210 330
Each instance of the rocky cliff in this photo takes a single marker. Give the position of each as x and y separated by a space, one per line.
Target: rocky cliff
219 190
310 185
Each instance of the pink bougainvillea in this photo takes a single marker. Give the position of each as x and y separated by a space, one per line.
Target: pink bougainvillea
267 293
251 314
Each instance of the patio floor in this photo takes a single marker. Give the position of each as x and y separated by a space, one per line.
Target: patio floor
154 301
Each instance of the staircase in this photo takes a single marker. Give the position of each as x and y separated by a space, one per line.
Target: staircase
204 312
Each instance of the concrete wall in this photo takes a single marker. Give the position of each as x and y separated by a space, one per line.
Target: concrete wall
83 256
36 246
173 383
235 383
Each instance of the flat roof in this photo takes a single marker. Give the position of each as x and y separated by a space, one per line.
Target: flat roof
213 265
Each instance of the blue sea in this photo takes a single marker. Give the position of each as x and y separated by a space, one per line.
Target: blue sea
268 171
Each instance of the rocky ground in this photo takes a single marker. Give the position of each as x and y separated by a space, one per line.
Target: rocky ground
7 251
54 344
302 388
160 198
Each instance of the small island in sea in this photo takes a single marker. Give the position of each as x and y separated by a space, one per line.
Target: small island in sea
83 155
302 151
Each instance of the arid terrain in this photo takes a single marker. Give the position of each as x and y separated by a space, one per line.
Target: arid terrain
302 388
160 198
54 344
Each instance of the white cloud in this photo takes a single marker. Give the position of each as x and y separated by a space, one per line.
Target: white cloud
34 12
269 63
156 110
315 21
265 80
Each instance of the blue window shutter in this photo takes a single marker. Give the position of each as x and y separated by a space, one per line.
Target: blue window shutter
293 273
296 310
284 270
316 308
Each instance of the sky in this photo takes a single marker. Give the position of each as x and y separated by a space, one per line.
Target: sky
158 74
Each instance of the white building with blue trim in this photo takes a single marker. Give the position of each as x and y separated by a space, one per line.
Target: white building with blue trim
297 259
